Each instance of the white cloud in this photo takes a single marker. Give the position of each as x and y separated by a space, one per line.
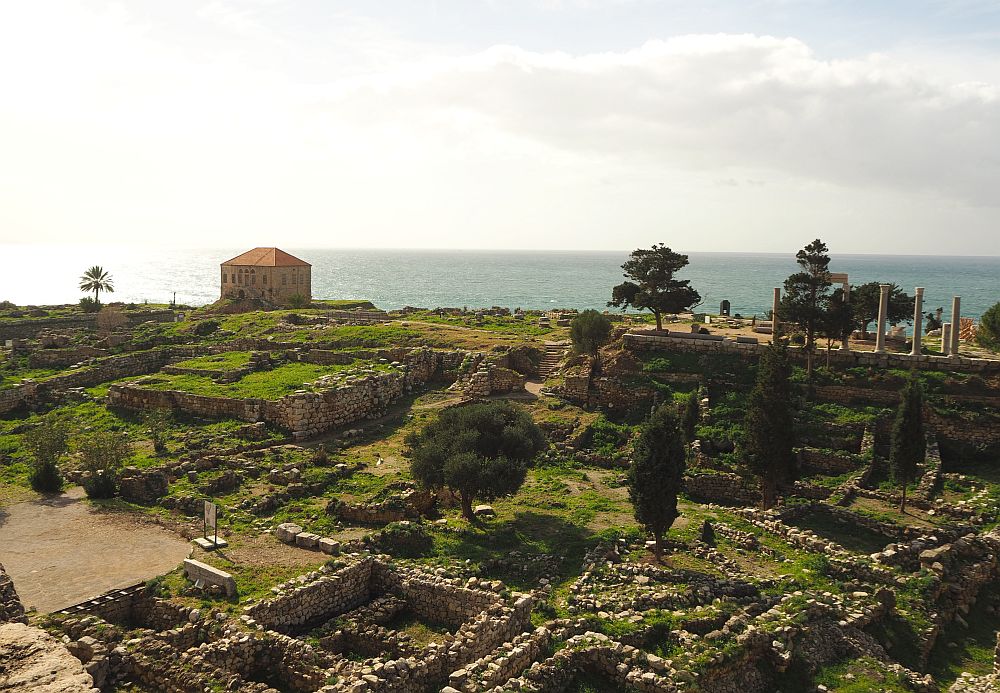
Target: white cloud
114 125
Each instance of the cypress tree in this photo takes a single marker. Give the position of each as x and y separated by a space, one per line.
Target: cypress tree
691 416
908 442
766 448
656 473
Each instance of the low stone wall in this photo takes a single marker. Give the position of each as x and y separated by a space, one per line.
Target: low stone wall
826 462
304 413
726 489
11 609
850 359
60 358
23 328
101 371
503 663
318 601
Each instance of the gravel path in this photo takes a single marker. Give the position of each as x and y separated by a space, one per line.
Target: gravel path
60 551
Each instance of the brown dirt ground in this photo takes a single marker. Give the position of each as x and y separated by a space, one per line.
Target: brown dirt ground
60 551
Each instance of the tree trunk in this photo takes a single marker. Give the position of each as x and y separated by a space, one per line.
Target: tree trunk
659 320
467 506
658 548
902 500
768 490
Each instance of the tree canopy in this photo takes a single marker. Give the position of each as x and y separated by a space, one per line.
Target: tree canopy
807 292
766 447
908 442
479 450
589 331
988 332
96 279
652 285
656 473
865 299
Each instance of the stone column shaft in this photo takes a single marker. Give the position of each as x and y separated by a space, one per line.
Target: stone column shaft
918 317
946 338
956 324
845 344
883 309
774 314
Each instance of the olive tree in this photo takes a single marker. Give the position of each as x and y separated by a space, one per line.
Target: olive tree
480 450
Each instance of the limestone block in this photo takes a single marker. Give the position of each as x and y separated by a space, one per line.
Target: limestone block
196 570
287 532
306 540
484 511
329 546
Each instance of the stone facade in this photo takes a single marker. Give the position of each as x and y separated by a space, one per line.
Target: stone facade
266 274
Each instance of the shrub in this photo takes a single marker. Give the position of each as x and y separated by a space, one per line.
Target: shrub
206 327
89 305
157 424
298 301
46 443
988 333
405 540
606 438
589 331
102 456
321 457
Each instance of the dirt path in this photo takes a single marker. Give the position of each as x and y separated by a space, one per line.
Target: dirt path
59 551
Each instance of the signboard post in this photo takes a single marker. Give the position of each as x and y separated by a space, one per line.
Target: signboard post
211 512
211 522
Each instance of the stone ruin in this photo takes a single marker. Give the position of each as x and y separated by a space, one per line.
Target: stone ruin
30 658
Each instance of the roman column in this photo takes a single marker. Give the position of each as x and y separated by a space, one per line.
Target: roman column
918 316
956 324
945 338
774 314
845 345
883 308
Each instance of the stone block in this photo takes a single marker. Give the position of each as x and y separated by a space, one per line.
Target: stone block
196 570
484 511
306 540
329 546
287 532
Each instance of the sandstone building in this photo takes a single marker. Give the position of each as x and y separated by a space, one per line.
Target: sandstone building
269 274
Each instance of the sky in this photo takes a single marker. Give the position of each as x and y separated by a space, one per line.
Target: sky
752 125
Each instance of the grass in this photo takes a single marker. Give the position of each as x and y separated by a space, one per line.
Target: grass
226 361
272 384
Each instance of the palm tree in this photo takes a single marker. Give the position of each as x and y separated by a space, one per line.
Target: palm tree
97 280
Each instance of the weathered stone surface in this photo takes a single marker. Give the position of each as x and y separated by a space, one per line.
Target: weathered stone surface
32 660
287 532
196 570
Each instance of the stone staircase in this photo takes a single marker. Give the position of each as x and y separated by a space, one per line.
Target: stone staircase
554 353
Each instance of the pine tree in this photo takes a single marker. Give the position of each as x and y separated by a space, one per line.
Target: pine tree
807 294
766 447
656 473
908 442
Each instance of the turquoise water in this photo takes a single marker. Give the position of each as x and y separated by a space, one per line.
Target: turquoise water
431 278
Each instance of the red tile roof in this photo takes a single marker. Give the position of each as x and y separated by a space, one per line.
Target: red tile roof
267 257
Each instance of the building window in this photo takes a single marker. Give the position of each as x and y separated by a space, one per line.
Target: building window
224 277
233 278
263 279
284 279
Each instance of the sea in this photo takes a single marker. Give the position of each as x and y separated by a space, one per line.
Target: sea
529 279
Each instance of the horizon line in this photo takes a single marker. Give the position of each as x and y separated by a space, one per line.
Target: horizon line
227 248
